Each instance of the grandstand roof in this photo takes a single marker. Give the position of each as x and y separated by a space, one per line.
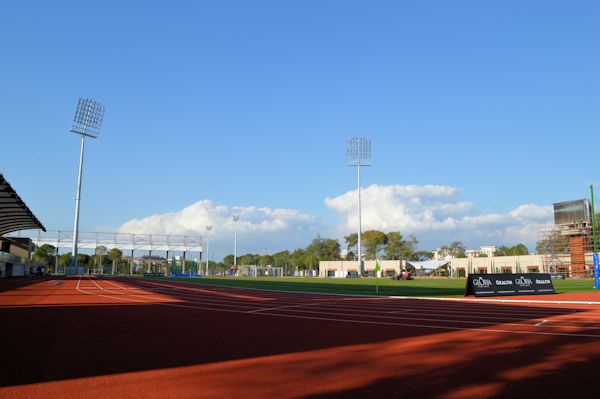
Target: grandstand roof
14 213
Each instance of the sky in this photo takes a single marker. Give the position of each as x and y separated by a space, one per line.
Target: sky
481 114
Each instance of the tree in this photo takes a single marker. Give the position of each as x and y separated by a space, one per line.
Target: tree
502 250
519 249
45 254
248 259
64 260
398 248
281 259
221 267
114 255
83 260
324 248
422 255
373 240
298 258
310 261
351 242
100 253
265 260
457 249
228 260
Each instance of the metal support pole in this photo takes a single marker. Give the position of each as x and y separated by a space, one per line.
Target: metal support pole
595 239
74 262
236 218
208 228
360 262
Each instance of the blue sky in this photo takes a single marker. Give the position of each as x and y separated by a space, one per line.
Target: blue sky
247 105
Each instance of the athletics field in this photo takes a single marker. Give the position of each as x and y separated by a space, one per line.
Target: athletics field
88 337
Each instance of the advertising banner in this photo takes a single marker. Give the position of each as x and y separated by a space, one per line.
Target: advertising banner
509 284
596 272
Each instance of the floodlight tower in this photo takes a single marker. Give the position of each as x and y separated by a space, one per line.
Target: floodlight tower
236 218
358 153
208 229
86 122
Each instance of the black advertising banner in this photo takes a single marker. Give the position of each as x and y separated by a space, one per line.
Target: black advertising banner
509 284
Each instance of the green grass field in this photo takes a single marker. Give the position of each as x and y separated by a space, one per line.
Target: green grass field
366 286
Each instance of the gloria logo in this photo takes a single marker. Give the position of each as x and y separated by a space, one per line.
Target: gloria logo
482 282
523 282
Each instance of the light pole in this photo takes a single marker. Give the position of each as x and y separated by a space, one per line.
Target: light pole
358 153
236 218
208 229
86 122
595 246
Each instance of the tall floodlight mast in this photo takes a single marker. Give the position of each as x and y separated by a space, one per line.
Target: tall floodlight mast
358 153
86 122
208 229
236 218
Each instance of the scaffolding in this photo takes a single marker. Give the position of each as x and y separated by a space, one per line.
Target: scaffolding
567 249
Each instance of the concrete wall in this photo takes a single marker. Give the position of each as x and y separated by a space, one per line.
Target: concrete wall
497 264
342 267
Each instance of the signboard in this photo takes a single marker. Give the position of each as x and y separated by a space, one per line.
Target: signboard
571 212
509 284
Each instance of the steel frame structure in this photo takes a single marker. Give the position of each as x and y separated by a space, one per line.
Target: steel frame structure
61 239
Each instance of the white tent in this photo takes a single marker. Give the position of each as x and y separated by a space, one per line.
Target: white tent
427 264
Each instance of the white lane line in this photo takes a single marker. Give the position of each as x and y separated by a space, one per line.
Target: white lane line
475 300
284 307
354 312
325 312
121 287
475 313
437 327
452 321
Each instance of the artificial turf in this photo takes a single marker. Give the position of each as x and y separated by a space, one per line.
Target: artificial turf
420 287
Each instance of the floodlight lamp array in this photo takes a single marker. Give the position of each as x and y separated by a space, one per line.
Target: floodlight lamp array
358 151
88 118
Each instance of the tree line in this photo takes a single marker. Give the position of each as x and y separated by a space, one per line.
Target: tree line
375 245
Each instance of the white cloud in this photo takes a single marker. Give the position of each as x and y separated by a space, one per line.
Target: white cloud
259 228
436 216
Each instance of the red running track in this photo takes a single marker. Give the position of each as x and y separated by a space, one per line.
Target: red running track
136 338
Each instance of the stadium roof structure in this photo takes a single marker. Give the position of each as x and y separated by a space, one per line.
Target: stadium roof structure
14 213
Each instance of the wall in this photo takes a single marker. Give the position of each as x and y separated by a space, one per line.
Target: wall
497 264
342 267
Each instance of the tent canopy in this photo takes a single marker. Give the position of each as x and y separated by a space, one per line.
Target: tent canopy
427 264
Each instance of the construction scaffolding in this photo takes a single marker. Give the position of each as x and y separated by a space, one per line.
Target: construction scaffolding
567 249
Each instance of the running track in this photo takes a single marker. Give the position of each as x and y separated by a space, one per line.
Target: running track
136 338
